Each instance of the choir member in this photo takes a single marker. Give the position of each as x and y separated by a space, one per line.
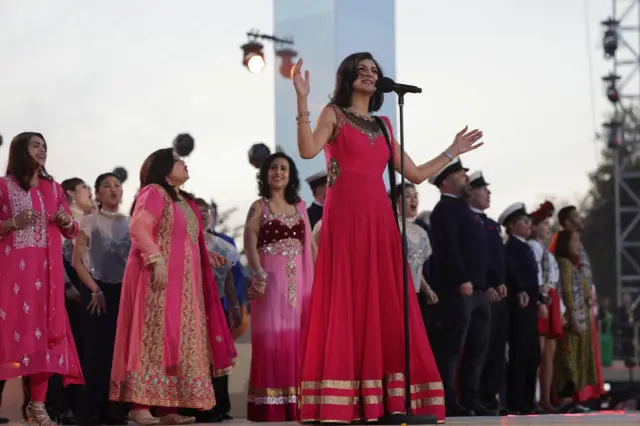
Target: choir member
318 184
523 287
460 266
494 370
569 218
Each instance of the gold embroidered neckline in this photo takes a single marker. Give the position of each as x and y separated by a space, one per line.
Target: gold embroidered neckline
346 116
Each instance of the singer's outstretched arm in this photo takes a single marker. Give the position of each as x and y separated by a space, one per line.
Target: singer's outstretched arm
418 174
310 143
463 142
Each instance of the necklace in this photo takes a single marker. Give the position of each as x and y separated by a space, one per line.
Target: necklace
366 117
108 213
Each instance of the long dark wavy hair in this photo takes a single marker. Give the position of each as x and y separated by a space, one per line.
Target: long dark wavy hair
347 74
99 180
293 187
563 246
155 170
21 165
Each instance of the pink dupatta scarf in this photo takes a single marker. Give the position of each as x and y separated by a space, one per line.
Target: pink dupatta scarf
223 350
308 264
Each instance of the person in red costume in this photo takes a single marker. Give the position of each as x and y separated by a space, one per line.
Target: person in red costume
550 320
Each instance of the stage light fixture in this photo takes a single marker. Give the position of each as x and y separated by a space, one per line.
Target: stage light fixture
286 66
253 57
610 38
611 87
614 133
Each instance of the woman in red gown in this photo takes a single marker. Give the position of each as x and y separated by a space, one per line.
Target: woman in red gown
353 357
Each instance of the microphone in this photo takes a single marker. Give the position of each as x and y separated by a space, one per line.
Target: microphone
386 85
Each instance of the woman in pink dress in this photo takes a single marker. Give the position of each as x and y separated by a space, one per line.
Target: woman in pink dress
34 328
280 252
171 326
353 357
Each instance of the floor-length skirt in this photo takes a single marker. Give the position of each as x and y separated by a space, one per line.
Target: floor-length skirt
276 343
160 354
354 362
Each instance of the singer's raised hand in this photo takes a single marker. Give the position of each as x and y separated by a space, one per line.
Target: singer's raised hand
301 83
466 141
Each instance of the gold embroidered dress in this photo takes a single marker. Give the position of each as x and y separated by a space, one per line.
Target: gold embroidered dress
167 338
575 362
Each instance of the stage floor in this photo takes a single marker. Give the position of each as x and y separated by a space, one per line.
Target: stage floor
238 385
617 418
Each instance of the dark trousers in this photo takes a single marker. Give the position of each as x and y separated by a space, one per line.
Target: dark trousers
221 385
494 372
60 399
464 326
99 340
524 358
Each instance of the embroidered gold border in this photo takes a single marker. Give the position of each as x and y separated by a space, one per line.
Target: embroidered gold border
374 392
152 350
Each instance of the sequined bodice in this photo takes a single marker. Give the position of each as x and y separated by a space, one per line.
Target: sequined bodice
357 151
277 230
282 235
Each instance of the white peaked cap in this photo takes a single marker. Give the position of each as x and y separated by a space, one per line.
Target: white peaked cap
317 179
477 180
475 175
454 166
513 211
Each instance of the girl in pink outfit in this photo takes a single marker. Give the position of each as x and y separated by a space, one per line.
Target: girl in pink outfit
34 327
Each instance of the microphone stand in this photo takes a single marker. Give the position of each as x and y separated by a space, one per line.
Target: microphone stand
408 418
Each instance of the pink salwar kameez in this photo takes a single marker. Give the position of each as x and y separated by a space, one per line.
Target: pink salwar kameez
35 335
168 338
277 318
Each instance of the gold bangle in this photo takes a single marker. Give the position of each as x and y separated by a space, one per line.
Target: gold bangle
154 258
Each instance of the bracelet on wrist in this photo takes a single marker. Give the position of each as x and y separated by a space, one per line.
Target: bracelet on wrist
97 293
303 117
155 259
448 155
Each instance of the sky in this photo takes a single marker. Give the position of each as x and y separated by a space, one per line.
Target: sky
107 83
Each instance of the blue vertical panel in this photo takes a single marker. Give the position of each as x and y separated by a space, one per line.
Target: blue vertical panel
311 23
325 32
370 26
